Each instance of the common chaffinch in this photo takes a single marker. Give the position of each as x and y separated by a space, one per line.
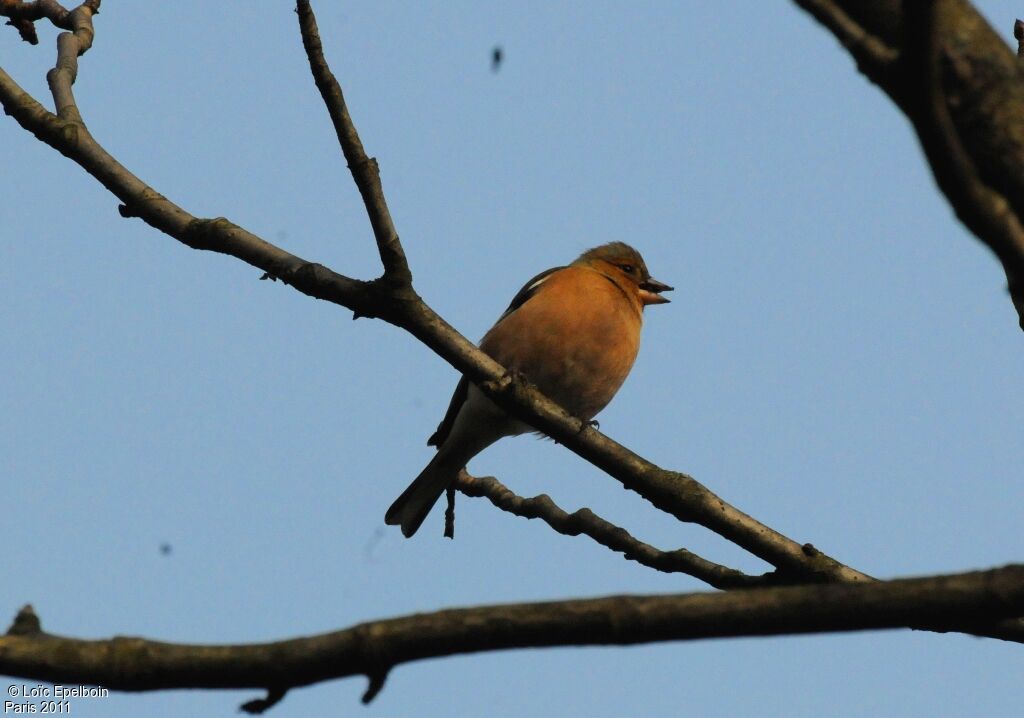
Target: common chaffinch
573 331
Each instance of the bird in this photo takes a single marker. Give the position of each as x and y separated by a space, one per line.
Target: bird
573 331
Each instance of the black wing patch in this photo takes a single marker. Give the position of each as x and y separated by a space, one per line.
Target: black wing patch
528 290
445 427
462 389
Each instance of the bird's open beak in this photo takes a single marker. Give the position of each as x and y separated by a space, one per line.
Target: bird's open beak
650 292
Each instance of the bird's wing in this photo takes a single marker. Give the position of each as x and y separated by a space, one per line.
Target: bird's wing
462 389
445 427
528 290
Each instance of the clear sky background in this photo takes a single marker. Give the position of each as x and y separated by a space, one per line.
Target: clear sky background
840 359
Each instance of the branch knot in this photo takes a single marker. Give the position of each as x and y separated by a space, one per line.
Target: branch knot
26 623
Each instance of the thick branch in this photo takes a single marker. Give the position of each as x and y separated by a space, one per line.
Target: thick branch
372 649
873 56
962 88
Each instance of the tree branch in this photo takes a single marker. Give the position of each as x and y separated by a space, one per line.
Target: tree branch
586 522
673 492
372 649
961 88
23 16
873 56
364 169
397 303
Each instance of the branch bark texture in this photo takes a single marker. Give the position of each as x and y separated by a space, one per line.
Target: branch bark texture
963 89
586 522
23 15
372 649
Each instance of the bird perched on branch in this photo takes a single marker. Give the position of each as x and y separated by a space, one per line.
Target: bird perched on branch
573 331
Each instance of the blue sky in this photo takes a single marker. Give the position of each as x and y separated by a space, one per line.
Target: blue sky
840 358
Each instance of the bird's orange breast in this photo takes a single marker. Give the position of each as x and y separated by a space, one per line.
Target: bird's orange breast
576 338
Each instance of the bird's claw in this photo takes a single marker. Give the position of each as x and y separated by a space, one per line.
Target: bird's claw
591 424
515 376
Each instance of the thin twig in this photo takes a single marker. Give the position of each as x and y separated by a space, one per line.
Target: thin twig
586 522
259 706
23 16
364 169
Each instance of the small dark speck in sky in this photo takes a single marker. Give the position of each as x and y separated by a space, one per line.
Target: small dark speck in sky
166 549
497 55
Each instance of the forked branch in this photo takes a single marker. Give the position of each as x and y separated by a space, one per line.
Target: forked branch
951 604
673 492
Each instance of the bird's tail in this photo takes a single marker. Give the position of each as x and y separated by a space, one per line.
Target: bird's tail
419 497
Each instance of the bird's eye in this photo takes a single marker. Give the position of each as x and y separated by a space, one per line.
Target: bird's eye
627 268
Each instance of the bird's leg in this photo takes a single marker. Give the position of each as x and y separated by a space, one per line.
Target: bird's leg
449 513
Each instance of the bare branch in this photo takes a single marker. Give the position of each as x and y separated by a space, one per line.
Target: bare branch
258 706
23 15
676 493
364 169
372 649
586 522
982 209
961 87
873 56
